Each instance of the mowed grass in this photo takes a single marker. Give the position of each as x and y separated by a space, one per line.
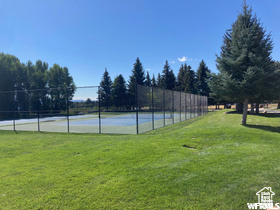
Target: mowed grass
211 162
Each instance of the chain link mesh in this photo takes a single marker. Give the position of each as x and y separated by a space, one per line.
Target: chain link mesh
88 110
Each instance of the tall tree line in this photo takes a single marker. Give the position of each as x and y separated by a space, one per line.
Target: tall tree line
33 87
121 95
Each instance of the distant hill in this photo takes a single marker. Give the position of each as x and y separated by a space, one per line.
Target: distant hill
78 101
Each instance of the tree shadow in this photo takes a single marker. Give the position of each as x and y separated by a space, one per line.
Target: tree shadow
268 115
264 127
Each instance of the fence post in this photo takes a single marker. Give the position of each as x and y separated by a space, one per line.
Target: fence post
163 101
173 106
180 106
207 103
136 106
186 107
38 116
191 108
99 106
204 105
14 121
67 104
201 106
153 113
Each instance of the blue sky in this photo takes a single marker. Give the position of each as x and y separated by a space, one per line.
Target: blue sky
88 35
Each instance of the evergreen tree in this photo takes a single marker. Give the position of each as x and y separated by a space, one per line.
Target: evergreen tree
168 78
203 74
190 81
217 95
148 81
154 83
159 80
119 92
181 78
172 81
277 68
137 77
106 90
245 62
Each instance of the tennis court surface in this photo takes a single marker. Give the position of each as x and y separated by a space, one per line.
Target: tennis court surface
108 123
87 112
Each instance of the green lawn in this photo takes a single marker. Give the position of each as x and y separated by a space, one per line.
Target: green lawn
210 162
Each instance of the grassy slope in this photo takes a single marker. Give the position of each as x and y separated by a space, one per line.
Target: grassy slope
228 165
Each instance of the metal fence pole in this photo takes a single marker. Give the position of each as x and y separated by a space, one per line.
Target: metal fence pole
163 101
99 107
180 107
136 105
14 116
14 121
173 104
153 113
67 104
198 105
207 103
204 105
186 106
191 108
38 116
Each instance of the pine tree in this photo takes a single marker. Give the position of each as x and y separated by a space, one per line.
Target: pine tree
203 74
154 83
181 78
148 81
168 78
159 80
137 78
106 90
190 81
277 68
119 92
245 62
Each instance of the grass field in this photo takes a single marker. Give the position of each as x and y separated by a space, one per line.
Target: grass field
210 162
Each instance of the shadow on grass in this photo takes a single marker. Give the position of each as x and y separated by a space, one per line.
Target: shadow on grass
264 127
269 115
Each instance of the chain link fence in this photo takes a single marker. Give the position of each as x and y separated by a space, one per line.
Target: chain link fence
87 110
163 107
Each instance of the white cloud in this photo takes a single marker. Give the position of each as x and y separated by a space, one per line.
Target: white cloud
183 59
172 61
148 69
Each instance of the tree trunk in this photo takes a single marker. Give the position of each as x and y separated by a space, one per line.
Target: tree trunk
278 106
245 111
216 106
252 108
257 108
239 107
